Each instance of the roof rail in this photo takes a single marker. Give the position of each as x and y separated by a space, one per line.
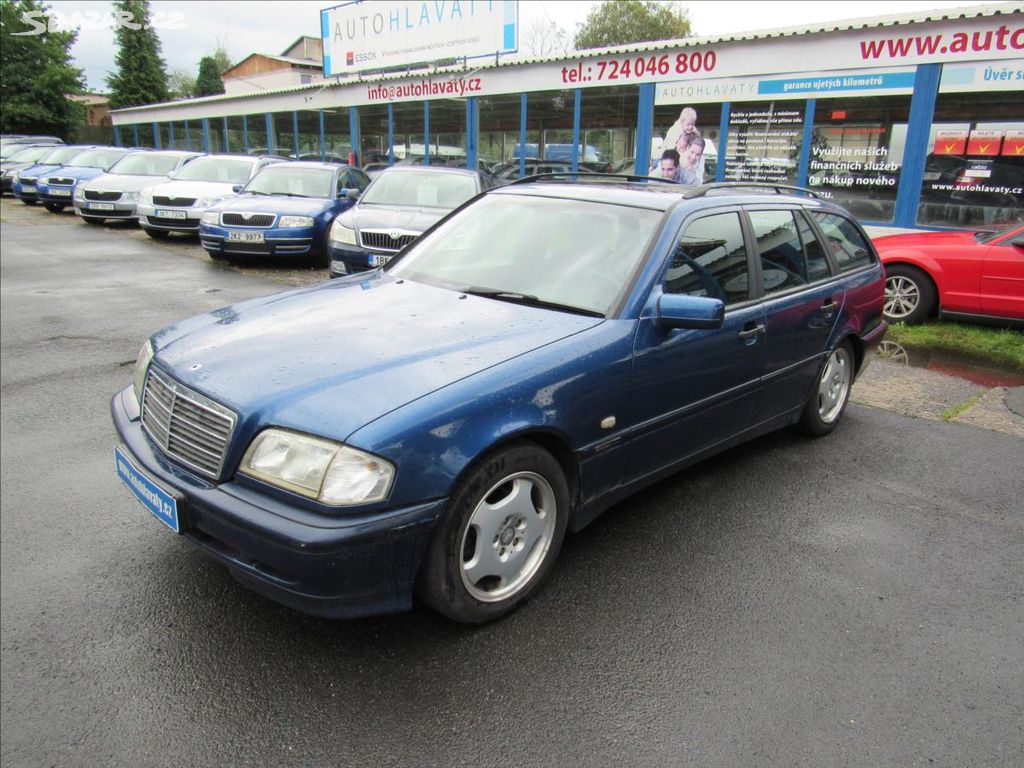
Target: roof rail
588 176
779 189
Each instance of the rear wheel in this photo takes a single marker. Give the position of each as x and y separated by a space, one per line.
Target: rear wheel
53 207
827 403
156 234
499 537
909 295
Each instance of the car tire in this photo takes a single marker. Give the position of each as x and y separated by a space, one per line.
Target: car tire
218 257
29 202
502 531
92 220
827 403
53 207
156 234
909 295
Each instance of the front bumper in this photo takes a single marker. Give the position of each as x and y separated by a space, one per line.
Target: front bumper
24 192
147 215
348 259
335 567
120 209
277 241
59 194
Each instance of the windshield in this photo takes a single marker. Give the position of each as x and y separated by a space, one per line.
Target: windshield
573 254
230 170
284 179
97 158
60 156
421 188
29 154
987 237
146 164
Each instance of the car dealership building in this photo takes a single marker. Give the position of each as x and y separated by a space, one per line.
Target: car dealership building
913 120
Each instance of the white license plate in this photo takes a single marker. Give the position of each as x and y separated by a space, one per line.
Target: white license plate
165 214
246 237
100 206
60 192
28 188
379 261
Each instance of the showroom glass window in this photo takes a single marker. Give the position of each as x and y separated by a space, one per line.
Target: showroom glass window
408 132
549 120
373 135
498 118
857 153
447 131
284 134
236 135
764 143
337 137
974 171
257 126
608 128
309 135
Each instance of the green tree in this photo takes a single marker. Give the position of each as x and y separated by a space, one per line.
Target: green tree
221 56
618 22
181 84
141 77
208 82
37 73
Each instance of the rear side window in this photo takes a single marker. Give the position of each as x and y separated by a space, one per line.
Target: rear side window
844 241
710 260
783 264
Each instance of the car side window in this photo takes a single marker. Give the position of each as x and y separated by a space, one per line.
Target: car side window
817 262
783 263
844 241
710 259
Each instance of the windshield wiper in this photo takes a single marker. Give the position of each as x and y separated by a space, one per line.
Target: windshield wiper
528 300
256 192
286 194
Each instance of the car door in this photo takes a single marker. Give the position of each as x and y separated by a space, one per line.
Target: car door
802 301
1002 277
695 388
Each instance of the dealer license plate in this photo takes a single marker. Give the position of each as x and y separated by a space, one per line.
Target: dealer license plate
163 505
246 237
378 261
162 213
60 192
101 206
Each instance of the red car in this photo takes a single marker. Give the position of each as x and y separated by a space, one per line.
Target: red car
975 276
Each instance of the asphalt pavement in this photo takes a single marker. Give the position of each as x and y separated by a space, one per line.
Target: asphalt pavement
856 600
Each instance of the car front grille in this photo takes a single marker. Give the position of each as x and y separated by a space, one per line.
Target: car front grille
27 179
247 219
386 240
61 180
189 427
106 197
181 202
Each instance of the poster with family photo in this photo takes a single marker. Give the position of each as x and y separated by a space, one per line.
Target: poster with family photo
681 156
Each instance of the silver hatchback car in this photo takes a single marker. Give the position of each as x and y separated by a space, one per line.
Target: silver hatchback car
115 194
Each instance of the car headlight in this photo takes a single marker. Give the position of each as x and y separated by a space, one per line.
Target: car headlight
320 469
295 221
342 234
129 197
210 217
141 366
146 197
79 193
206 202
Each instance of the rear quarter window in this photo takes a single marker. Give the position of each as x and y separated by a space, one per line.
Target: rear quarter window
845 241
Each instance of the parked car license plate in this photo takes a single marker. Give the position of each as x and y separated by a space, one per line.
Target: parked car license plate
28 188
379 261
60 192
246 237
162 213
101 206
162 504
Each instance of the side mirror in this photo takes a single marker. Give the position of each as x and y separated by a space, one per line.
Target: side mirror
170 175
352 194
677 310
236 188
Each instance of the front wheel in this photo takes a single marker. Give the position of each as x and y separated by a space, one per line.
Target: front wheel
53 207
827 403
909 295
499 537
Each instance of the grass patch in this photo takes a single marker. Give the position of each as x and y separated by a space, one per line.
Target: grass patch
956 410
998 346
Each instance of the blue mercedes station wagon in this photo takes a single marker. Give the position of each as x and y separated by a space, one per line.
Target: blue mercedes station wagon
285 210
435 428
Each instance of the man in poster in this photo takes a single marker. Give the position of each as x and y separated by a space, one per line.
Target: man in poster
683 129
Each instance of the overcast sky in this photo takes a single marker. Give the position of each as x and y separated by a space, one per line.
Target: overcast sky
192 30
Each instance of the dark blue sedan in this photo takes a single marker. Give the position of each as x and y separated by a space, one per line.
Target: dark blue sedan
285 210
436 427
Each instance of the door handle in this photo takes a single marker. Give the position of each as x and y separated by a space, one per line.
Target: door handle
830 306
751 333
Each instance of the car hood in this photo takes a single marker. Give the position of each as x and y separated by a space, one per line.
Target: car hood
121 182
279 204
924 239
36 171
369 343
392 217
196 189
81 174
13 167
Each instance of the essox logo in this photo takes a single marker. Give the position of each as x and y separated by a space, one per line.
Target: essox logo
350 58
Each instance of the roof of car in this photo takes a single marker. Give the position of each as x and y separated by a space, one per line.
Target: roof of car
428 169
313 164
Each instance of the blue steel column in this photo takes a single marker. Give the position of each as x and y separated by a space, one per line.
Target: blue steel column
522 135
295 132
723 140
576 109
391 134
206 135
117 136
270 133
323 156
245 133
227 142
644 129
915 153
472 133
135 135
156 136
805 146
353 133
426 133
